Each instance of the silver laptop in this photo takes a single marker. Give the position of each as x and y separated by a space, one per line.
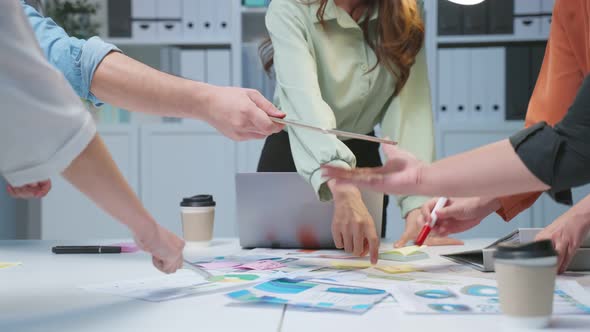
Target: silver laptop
280 210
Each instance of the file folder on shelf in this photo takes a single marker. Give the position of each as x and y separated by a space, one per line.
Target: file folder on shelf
218 67
460 80
221 13
527 26
450 18
144 25
500 16
253 74
483 259
475 19
169 13
547 6
480 84
192 65
119 14
518 85
526 7
495 64
445 85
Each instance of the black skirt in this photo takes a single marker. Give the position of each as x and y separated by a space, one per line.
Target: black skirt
276 157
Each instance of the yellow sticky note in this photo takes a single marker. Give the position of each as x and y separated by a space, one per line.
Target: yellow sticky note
405 251
397 269
351 265
7 265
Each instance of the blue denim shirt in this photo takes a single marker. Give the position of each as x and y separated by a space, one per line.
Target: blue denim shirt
76 58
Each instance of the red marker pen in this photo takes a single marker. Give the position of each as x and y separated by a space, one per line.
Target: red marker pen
433 218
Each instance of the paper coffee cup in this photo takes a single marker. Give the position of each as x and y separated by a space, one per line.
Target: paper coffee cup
526 282
198 216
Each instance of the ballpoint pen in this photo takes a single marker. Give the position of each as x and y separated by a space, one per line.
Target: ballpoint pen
433 218
201 271
338 133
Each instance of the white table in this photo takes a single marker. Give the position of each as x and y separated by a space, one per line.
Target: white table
42 295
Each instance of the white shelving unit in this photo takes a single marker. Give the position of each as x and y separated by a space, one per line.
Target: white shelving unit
486 39
168 42
253 10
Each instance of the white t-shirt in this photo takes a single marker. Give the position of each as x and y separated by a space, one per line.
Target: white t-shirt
43 124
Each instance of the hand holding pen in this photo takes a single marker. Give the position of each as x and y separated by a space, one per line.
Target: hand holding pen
430 225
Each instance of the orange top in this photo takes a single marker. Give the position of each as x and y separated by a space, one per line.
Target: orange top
566 63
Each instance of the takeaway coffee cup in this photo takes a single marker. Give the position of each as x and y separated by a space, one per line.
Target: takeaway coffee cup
198 215
526 282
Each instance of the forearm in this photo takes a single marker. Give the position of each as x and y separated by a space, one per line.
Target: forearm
131 85
493 170
96 175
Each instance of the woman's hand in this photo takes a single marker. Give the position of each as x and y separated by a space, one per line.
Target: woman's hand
567 233
461 214
353 228
241 114
414 222
400 175
33 190
163 245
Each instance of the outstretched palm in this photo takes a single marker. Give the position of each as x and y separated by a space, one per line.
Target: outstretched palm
399 175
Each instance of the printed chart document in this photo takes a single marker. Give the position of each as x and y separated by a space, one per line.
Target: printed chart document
479 296
312 294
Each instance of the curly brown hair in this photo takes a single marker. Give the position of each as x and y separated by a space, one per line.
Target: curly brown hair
399 36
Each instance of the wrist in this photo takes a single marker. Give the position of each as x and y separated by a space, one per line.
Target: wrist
491 204
342 191
198 105
144 229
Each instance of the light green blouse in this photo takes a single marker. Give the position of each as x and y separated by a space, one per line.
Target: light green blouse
324 78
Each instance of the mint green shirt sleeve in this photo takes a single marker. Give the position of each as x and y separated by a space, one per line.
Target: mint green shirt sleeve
299 92
408 119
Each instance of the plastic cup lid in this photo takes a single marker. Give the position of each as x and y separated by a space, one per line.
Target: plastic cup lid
198 201
537 249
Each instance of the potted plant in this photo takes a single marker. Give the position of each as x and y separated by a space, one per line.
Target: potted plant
75 16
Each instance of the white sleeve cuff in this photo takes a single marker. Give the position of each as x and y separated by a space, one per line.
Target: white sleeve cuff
60 160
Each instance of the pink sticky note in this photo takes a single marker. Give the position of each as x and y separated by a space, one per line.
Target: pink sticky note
262 265
218 265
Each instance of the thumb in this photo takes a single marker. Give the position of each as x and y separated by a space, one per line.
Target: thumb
265 105
451 211
389 150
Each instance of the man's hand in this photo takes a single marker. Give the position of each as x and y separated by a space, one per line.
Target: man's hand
34 190
400 175
353 228
567 233
461 214
241 114
414 222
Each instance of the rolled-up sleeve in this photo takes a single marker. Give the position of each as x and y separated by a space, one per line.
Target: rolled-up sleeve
300 98
409 120
76 58
559 156
560 77
43 125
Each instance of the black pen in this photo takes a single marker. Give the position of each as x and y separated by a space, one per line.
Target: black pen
86 250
